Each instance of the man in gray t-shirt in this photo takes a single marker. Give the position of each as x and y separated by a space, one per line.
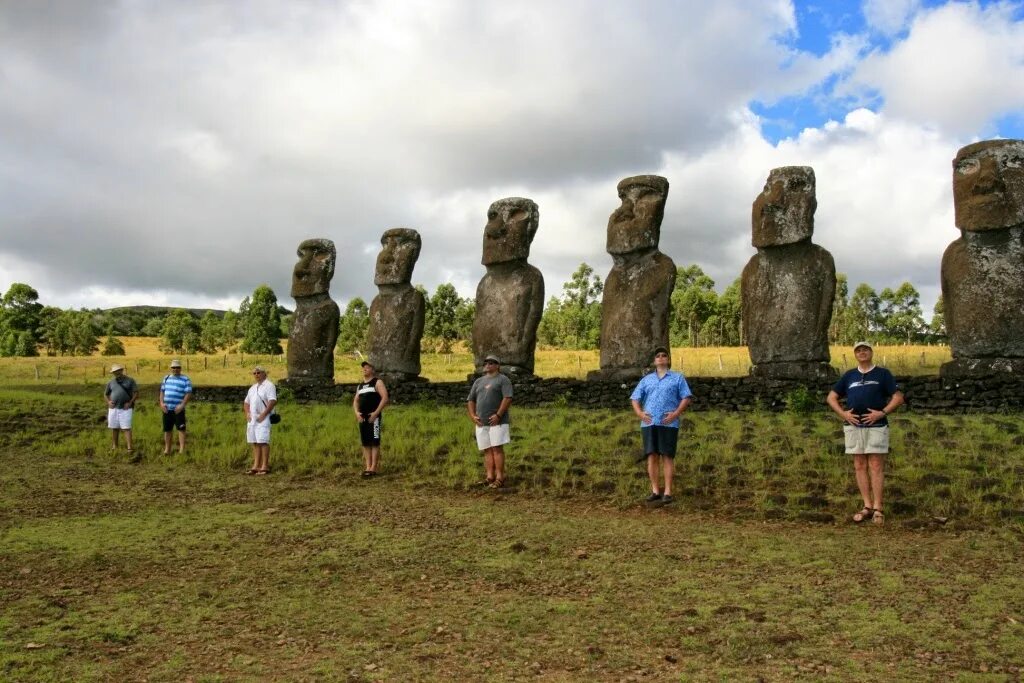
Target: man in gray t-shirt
121 394
487 405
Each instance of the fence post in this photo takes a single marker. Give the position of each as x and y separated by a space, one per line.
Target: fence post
37 372
187 367
225 363
205 359
720 366
136 367
58 371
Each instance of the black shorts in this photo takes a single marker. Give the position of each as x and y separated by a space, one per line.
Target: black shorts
173 419
369 432
659 439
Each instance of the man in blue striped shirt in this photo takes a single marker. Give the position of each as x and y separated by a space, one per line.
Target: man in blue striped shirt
658 400
175 392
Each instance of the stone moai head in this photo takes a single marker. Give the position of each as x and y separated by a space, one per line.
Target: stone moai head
511 225
401 248
313 272
636 224
784 211
988 185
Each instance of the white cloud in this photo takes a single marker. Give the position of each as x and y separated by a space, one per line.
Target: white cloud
960 67
889 16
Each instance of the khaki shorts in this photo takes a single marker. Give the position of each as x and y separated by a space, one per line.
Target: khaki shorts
488 437
861 440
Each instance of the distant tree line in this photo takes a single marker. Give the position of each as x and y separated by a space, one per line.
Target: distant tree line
699 316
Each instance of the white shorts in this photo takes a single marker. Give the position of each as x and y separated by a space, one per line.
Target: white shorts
119 418
860 440
258 432
487 437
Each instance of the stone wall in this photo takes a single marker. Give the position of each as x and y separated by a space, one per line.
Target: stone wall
928 394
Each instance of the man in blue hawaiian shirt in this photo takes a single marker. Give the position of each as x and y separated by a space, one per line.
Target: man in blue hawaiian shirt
658 400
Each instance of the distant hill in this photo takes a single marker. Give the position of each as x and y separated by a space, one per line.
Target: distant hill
146 321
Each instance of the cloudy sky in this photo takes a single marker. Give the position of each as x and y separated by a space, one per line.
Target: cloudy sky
175 153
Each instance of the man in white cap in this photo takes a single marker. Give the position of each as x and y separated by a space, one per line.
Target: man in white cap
871 393
487 405
121 394
258 405
175 392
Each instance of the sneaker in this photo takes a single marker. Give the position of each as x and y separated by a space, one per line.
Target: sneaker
653 498
666 499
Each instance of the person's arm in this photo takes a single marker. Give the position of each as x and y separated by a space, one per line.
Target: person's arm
246 410
355 406
384 398
106 395
672 416
639 410
135 396
471 411
184 399
502 409
268 409
895 401
845 415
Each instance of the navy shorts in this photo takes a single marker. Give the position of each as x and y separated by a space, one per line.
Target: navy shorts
173 419
369 432
660 440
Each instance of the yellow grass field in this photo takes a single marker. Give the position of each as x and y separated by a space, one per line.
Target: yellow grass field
148 365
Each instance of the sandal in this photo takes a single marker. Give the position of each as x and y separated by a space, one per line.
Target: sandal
864 515
252 471
878 517
497 484
488 482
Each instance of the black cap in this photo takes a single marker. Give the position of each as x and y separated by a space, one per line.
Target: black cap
365 363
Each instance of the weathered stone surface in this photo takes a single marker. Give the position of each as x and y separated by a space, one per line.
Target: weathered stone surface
314 329
510 297
638 290
789 285
397 312
983 271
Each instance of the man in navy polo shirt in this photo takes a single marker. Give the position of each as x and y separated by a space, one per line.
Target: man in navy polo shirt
658 400
871 394
175 392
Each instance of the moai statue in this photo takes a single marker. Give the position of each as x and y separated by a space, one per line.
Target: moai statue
983 271
510 297
314 330
638 291
789 285
396 314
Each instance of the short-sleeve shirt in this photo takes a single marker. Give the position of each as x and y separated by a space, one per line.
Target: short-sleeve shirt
369 397
660 395
260 396
120 390
487 392
866 391
174 389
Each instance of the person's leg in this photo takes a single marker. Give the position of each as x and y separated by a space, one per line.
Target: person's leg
181 440
113 438
263 457
167 442
876 472
668 468
374 458
652 472
127 438
498 459
489 464
367 459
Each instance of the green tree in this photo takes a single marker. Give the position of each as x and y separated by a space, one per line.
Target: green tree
729 320
230 329
863 317
210 333
901 314
112 346
353 326
694 301
56 331
938 323
442 317
178 325
20 320
262 322
82 333
837 328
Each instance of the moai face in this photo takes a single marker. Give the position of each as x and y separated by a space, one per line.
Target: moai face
636 224
397 257
313 272
988 185
511 225
784 211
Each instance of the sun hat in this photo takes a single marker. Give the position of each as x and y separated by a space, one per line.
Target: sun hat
115 367
492 357
175 363
863 343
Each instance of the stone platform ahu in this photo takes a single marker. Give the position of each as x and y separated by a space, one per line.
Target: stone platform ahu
638 290
397 312
789 285
983 270
510 297
314 329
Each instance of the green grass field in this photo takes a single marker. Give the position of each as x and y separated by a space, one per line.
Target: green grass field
147 364
181 568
